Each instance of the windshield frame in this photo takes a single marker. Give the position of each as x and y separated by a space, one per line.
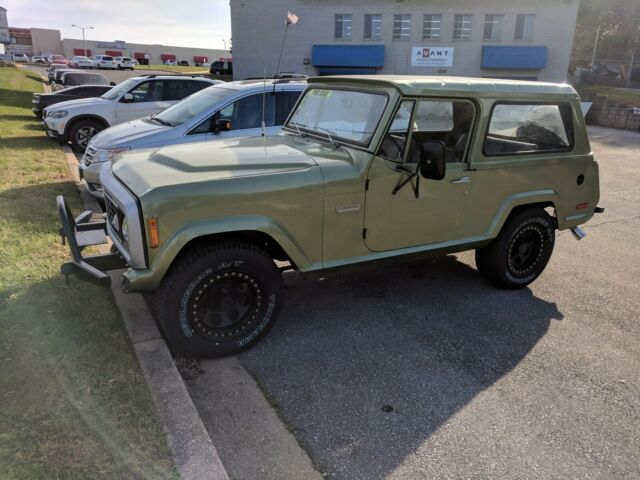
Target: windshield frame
322 135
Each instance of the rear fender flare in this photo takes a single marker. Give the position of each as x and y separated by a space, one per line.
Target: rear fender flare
537 197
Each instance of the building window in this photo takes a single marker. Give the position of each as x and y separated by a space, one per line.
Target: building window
462 27
402 27
524 26
431 27
343 26
493 27
372 26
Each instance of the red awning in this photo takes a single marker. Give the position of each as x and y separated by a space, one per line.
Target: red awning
79 52
113 53
167 56
199 59
139 55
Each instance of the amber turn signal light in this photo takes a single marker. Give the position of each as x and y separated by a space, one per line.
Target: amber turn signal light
154 237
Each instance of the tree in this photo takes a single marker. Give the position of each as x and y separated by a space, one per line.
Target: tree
619 22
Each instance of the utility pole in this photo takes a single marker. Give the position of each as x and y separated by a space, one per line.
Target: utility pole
224 63
633 58
84 42
595 46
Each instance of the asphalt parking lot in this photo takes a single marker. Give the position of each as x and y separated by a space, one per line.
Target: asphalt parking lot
423 370
111 75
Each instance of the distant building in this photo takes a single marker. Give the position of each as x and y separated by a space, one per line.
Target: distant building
484 38
41 41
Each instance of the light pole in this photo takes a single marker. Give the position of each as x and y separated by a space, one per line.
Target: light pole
84 42
224 62
595 46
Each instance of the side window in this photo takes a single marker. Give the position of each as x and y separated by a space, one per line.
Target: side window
444 122
285 103
173 90
247 112
394 142
147 92
529 128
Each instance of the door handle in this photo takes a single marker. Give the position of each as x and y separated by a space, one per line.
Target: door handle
461 180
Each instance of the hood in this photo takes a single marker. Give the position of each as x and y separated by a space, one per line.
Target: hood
144 170
125 134
79 103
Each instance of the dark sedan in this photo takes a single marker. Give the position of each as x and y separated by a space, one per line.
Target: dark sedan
43 100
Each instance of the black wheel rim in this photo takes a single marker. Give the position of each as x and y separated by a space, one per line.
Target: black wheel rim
525 250
84 134
226 304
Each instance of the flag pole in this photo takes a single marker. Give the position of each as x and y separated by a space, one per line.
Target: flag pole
284 38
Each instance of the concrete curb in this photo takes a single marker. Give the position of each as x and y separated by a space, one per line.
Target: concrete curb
194 454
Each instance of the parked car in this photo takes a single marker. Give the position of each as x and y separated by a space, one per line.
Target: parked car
57 59
75 78
57 76
124 63
20 58
104 61
366 169
77 121
80 61
221 68
183 63
42 100
51 70
170 63
194 119
38 59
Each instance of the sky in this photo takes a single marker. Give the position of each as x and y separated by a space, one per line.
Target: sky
182 23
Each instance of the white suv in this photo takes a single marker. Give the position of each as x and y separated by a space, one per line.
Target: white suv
76 121
104 61
124 63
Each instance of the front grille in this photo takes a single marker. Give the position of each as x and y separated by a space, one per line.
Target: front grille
89 154
115 217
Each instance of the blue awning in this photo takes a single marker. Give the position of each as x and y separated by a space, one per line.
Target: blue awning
514 57
349 56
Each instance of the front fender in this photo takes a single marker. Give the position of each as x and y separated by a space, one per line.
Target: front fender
148 280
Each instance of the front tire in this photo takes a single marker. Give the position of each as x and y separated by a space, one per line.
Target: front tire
81 132
520 253
220 299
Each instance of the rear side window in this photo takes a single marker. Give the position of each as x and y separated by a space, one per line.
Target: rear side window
108 59
519 128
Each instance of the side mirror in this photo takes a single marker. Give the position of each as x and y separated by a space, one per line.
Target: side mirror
113 84
432 160
128 98
222 125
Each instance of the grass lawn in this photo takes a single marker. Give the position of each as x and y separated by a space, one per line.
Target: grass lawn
175 68
73 402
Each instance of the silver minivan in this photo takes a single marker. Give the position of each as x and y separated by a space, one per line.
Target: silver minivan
226 110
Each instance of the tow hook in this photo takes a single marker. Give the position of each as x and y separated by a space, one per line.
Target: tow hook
578 233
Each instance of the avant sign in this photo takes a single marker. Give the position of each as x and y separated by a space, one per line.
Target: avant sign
431 56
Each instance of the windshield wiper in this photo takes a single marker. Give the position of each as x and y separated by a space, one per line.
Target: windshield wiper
160 121
295 124
328 132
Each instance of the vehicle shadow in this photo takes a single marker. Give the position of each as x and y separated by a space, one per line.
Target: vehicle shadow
366 366
15 98
24 118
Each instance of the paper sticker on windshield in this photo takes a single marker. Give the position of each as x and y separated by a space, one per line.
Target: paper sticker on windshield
320 93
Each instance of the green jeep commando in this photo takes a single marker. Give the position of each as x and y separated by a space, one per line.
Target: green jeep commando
367 168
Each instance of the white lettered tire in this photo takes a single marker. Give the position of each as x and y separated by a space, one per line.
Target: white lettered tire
218 300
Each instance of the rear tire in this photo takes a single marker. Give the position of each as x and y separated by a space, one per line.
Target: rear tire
220 299
520 253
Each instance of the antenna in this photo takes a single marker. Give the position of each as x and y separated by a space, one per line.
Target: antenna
264 98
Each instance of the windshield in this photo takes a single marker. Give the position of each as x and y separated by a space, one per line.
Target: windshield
194 105
342 114
119 90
